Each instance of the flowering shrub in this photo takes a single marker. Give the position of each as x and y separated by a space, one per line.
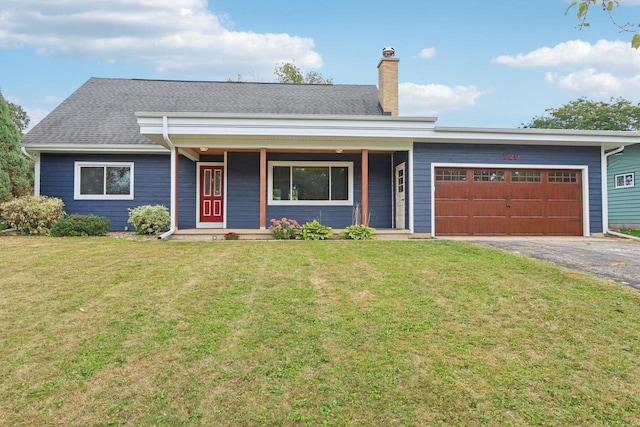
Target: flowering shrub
284 228
148 219
231 236
32 214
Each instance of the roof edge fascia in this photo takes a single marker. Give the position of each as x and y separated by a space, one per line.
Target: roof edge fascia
97 148
531 135
282 117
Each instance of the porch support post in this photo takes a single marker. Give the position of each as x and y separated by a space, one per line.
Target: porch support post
365 187
263 188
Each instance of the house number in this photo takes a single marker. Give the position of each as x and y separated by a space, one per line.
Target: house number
511 156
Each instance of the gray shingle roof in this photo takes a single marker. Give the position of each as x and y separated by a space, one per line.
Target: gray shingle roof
102 111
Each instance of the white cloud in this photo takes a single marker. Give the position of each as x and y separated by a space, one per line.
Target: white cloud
427 53
604 69
171 35
595 84
433 99
604 54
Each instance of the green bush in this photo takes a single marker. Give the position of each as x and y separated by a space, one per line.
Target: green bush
32 214
81 225
358 232
313 230
150 219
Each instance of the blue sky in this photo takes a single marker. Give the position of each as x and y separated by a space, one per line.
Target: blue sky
470 63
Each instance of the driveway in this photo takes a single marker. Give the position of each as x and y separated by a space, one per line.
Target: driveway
607 257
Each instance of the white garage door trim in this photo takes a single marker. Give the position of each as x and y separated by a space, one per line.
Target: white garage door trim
585 185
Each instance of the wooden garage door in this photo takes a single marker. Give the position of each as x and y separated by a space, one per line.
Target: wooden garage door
523 202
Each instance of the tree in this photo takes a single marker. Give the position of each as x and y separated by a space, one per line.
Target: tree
15 169
19 116
617 114
584 6
288 72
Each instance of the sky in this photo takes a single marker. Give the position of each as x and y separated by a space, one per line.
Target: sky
490 64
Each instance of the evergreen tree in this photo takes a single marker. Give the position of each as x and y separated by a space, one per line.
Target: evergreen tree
15 168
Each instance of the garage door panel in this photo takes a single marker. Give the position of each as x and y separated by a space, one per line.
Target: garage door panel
526 202
564 227
453 226
450 208
453 191
486 226
490 208
527 208
557 208
530 226
487 191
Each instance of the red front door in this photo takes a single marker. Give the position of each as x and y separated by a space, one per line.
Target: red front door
211 193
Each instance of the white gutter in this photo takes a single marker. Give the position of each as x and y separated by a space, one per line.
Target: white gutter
36 170
172 210
605 193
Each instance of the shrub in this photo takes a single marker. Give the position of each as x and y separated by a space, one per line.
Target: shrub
313 230
81 225
150 219
358 232
284 229
32 214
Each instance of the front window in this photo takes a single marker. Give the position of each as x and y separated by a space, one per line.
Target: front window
624 180
310 183
94 181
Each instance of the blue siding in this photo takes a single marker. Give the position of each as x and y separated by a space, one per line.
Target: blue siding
425 154
381 196
151 184
243 190
187 193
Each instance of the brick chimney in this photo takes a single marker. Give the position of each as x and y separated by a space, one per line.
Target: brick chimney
388 81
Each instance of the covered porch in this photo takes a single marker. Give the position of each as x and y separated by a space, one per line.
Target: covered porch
250 169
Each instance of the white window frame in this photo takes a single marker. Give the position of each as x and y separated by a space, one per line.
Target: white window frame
271 201
76 191
624 175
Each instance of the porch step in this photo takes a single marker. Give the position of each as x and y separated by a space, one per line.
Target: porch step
199 234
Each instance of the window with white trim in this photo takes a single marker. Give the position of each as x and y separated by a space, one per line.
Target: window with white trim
624 180
103 181
310 183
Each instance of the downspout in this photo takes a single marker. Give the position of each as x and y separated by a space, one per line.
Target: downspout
36 170
165 136
605 192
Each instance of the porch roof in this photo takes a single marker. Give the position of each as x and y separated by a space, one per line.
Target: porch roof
283 131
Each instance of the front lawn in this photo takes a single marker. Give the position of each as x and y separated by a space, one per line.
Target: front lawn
108 332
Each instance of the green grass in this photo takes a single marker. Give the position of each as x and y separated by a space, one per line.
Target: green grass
109 332
631 232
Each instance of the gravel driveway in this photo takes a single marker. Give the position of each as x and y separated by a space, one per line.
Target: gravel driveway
607 257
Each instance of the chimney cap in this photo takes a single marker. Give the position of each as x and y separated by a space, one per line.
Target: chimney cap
388 52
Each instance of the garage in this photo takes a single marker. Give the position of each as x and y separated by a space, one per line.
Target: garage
511 202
